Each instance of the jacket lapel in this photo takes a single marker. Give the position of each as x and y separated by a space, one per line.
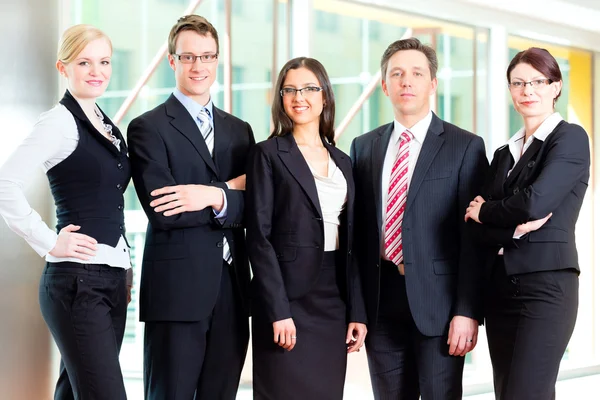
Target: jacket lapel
73 106
431 146
223 135
294 161
184 123
532 150
380 145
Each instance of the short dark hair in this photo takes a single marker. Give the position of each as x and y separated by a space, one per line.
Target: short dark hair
410 44
282 124
541 60
195 23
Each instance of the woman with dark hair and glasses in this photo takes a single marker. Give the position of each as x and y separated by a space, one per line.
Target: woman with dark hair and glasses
527 214
308 309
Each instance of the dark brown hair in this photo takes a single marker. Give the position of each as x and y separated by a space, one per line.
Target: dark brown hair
541 60
282 124
195 23
409 44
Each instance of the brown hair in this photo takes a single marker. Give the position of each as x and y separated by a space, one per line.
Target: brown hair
541 60
195 23
74 40
409 44
282 124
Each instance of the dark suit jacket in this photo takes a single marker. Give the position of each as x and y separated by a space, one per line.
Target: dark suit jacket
551 177
182 264
285 232
442 265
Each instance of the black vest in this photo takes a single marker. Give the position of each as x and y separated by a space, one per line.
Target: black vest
88 185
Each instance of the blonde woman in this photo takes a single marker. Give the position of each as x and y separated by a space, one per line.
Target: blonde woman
85 285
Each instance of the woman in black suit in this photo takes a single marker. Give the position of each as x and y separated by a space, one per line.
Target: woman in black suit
308 310
527 216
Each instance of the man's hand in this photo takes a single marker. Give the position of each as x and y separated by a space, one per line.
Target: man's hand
185 198
355 337
129 294
75 245
284 333
531 225
474 208
462 336
238 183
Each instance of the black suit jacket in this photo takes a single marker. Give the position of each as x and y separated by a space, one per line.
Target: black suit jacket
442 265
285 232
551 177
183 254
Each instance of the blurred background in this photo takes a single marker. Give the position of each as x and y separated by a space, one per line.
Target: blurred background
474 39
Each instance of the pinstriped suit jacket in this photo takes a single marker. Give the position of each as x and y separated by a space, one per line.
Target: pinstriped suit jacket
443 265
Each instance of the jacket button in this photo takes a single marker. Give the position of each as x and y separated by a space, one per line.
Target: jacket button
120 227
212 181
120 207
219 244
515 190
119 186
377 265
530 164
349 252
120 165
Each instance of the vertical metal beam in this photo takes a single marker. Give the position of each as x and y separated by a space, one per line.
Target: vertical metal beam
162 51
227 92
274 62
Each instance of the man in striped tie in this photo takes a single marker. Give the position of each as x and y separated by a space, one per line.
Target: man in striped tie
188 164
421 274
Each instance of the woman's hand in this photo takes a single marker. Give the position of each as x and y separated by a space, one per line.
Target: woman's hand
284 333
355 338
474 208
531 226
74 245
238 183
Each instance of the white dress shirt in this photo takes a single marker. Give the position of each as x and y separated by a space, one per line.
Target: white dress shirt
53 138
332 191
419 131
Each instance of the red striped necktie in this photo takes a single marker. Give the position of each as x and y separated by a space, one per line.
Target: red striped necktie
396 201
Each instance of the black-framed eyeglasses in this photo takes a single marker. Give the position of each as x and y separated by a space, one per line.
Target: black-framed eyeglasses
191 58
536 84
307 91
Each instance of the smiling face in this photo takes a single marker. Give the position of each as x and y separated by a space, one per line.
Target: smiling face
194 80
303 108
408 84
89 72
533 102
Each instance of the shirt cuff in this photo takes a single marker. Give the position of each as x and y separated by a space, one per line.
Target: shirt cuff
517 236
222 215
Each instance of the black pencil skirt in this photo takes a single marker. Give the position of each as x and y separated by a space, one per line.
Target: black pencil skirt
316 368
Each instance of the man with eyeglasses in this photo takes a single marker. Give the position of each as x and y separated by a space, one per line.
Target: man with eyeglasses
188 165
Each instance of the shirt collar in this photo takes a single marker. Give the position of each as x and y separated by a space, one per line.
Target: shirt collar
542 132
419 130
192 106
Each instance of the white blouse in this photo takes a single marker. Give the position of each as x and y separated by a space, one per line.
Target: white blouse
53 138
332 191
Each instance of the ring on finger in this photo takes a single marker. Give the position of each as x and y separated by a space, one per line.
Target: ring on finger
469 340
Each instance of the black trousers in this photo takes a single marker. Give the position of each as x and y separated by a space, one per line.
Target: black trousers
529 321
403 363
199 360
85 307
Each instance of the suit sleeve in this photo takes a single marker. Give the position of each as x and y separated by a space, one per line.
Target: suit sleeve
263 259
357 311
236 198
150 171
471 261
565 164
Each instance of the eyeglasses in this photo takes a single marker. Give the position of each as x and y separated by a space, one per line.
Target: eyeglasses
536 84
190 58
307 91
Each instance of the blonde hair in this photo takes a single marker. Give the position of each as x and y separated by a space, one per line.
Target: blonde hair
74 40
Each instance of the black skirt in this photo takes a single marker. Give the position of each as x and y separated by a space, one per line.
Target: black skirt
316 368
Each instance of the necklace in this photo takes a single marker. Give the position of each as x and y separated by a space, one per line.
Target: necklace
107 128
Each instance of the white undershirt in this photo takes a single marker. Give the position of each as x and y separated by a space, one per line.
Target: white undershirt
419 131
332 191
53 138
